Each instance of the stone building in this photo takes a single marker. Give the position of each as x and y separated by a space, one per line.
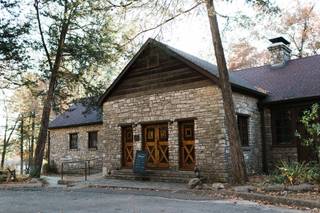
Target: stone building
169 104
76 135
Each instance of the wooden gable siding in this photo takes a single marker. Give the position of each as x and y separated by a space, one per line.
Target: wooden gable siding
146 76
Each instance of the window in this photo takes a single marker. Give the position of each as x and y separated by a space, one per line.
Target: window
163 133
243 129
282 127
150 134
73 141
92 140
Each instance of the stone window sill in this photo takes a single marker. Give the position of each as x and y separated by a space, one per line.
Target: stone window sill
283 146
246 148
74 150
92 149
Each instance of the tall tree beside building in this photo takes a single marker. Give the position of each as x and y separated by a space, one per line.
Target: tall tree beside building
238 167
79 43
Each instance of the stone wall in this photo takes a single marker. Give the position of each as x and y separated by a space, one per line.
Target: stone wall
59 144
253 153
204 104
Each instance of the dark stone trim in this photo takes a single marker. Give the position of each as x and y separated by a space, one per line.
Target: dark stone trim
292 145
154 122
125 124
244 115
186 119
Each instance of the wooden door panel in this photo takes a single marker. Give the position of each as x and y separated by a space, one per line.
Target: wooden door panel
163 147
156 144
152 155
150 146
163 150
186 145
127 147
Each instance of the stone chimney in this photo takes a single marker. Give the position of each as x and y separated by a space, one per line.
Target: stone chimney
280 51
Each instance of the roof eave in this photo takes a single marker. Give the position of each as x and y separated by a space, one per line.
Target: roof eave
291 100
75 125
238 88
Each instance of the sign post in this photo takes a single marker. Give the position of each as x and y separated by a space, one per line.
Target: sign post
140 162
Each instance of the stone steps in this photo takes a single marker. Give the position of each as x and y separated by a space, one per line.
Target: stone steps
154 175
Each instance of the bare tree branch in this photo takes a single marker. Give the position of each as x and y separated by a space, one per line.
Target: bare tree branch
163 22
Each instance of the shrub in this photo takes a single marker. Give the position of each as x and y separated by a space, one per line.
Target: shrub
296 173
310 135
276 178
50 169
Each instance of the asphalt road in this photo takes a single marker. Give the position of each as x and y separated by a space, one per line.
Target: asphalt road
97 200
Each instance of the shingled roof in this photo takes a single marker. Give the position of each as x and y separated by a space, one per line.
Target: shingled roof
78 114
213 70
299 78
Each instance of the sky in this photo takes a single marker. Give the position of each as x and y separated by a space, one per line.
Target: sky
191 33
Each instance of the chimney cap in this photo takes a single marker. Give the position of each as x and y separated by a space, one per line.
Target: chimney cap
279 39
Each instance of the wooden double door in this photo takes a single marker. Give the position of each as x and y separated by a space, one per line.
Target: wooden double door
156 145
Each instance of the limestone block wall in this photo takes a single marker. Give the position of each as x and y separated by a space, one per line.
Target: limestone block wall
59 144
205 105
253 153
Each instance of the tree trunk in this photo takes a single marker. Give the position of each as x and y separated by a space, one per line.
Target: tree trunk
4 149
3 156
42 138
32 138
238 168
21 147
6 141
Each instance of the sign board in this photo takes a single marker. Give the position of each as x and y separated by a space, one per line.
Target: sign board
140 162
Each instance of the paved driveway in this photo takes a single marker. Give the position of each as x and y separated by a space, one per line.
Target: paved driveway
98 200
